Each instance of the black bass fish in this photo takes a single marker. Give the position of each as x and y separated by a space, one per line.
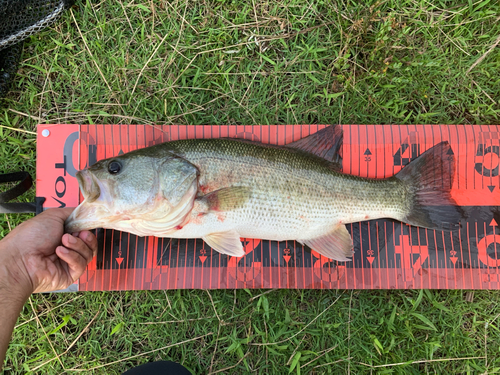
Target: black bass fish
223 189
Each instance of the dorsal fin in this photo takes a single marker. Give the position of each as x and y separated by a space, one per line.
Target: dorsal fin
325 143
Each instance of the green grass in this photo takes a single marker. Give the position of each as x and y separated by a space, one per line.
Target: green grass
258 62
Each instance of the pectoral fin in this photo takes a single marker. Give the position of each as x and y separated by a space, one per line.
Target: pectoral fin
227 199
336 245
226 243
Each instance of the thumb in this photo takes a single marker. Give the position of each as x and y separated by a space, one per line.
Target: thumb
75 261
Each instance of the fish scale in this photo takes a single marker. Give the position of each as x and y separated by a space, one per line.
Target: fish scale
285 186
312 186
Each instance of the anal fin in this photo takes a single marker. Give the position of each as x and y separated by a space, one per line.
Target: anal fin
336 245
226 243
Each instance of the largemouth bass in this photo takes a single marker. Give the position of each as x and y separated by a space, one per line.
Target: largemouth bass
223 189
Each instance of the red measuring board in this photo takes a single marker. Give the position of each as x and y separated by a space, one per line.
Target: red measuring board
388 254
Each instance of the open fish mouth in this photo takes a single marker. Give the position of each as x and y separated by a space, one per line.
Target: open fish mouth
89 214
83 218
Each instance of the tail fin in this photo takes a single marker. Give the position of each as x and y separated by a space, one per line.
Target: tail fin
429 179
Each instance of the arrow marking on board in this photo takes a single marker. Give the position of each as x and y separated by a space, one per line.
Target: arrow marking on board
203 258
119 260
491 187
370 259
493 223
454 260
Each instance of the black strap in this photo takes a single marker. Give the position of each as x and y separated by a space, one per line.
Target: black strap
23 186
17 208
25 183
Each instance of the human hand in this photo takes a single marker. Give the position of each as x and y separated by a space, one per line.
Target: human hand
38 257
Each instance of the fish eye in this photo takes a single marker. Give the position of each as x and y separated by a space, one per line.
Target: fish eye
114 167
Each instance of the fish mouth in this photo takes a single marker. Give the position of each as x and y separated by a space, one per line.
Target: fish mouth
80 218
89 216
92 212
89 186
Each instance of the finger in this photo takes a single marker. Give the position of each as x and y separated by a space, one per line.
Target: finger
90 240
60 213
77 244
75 261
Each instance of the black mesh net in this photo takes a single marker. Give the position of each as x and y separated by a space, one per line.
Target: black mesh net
20 19
9 61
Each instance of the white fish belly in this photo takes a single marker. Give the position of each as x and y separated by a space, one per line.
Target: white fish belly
279 219
264 220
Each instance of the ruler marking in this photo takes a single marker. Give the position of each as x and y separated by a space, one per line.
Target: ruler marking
193 268
437 260
158 261
429 266
350 269
470 255
111 260
491 142
362 253
378 252
176 280
295 265
474 153
286 269
481 283
487 258
271 284
483 141
495 243
466 156
210 266
444 260
369 248
462 255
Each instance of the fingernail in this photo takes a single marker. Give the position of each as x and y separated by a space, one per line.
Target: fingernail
63 250
75 234
86 235
71 239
